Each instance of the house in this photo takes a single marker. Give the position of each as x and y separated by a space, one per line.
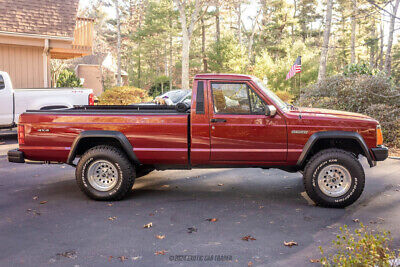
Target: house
34 31
99 72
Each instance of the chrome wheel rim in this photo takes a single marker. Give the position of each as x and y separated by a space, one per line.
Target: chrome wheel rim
102 175
334 180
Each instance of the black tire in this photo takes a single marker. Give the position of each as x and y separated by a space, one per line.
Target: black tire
124 168
333 157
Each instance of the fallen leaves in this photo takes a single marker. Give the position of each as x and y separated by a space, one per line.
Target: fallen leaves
314 260
161 252
150 224
112 218
68 254
212 219
290 243
35 198
191 230
110 204
356 220
43 202
122 258
35 212
250 263
160 236
248 237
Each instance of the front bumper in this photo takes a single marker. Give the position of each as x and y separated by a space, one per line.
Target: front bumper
16 156
380 153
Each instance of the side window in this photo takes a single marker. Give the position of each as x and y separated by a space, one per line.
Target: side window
257 105
230 98
2 84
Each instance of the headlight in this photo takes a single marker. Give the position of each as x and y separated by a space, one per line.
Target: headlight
379 137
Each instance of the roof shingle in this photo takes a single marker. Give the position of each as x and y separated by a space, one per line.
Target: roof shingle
44 17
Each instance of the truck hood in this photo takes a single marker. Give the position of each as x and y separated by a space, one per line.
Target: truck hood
319 112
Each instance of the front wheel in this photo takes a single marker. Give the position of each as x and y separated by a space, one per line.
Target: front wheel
105 173
334 178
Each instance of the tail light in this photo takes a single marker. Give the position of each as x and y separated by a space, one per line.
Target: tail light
21 134
379 136
91 100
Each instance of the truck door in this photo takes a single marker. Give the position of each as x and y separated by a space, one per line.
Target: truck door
6 104
239 129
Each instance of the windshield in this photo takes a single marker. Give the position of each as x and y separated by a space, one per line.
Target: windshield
282 105
175 95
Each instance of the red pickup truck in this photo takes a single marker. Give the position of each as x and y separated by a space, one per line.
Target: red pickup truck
234 121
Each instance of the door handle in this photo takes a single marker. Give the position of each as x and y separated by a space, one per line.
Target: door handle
218 120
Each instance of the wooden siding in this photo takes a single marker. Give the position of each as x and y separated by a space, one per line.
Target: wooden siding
24 64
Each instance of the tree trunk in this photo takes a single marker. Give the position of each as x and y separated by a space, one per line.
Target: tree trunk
251 38
388 59
294 17
118 43
185 60
203 45
325 45
187 30
239 23
372 51
353 32
170 55
381 46
217 24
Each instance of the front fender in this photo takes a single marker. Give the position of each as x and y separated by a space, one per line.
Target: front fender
334 135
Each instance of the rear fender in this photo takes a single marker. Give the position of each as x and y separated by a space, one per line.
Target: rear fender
118 136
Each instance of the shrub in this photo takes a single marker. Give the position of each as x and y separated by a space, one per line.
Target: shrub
361 248
389 118
374 95
285 96
160 86
68 78
360 68
123 95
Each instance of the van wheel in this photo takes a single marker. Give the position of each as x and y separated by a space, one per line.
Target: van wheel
334 178
105 173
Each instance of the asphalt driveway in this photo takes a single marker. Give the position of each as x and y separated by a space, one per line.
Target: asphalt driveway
45 219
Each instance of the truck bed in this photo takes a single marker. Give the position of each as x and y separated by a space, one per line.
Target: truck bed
156 133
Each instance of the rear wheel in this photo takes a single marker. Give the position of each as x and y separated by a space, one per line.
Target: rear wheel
334 178
105 173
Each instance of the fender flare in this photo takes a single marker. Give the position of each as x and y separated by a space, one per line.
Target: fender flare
120 137
335 134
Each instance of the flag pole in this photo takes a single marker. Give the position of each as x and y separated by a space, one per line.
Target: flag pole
299 88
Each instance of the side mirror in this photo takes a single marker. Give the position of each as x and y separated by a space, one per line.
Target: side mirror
270 111
2 84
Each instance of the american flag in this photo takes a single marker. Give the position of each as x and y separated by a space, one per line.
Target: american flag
296 68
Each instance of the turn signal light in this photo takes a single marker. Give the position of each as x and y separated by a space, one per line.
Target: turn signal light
21 134
379 136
